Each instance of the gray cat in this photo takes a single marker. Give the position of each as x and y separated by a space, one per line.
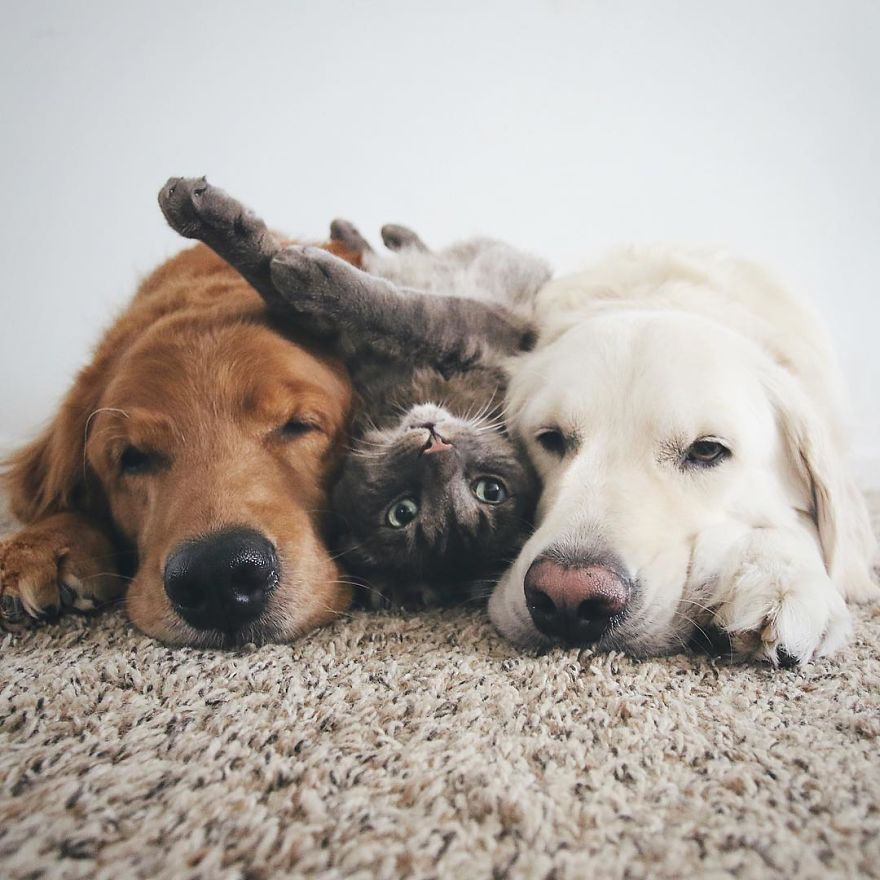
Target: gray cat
435 498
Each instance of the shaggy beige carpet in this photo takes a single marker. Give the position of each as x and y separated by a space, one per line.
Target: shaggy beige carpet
404 746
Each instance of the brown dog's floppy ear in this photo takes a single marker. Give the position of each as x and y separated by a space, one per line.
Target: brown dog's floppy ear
49 474
811 451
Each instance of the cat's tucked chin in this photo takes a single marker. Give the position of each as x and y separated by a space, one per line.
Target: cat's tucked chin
425 414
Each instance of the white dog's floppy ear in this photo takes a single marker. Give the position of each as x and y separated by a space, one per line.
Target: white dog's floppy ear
815 458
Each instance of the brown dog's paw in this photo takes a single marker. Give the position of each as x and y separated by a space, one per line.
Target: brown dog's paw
45 571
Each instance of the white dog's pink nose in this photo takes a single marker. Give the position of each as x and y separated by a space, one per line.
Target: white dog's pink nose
575 603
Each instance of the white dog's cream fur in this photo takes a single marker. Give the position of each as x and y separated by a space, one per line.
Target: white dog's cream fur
638 358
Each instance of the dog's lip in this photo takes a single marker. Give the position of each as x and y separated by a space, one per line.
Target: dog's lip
565 640
256 633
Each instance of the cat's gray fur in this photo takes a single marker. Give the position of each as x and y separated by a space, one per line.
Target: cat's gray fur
426 337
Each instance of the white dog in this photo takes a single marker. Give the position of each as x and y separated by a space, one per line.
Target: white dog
684 414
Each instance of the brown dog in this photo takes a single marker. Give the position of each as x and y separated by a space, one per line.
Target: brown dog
198 446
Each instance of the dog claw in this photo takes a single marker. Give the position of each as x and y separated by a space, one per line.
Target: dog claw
68 596
785 660
11 609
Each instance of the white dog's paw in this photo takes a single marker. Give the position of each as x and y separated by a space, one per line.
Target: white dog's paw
783 613
860 587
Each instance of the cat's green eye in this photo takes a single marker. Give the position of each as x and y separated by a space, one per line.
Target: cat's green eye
490 491
402 513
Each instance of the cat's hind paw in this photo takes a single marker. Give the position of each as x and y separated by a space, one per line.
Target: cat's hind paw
347 234
397 238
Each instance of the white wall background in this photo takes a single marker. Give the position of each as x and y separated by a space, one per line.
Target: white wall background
561 126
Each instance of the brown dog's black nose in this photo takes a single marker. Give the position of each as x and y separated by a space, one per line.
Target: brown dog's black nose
222 581
575 602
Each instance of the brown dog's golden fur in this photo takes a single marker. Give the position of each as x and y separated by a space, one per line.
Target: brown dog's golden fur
195 384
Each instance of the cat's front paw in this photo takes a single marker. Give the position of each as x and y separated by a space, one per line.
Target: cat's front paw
196 209
782 613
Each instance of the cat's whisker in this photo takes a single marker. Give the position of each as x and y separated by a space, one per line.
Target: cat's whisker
317 511
490 427
488 418
484 409
468 414
365 441
694 624
375 591
488 408
341 553
510 414
100 574
109 605
371 425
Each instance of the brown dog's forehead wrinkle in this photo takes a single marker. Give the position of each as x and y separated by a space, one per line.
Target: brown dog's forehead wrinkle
134 425
193 380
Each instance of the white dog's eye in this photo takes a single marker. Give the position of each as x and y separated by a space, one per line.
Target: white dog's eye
553 440
706 452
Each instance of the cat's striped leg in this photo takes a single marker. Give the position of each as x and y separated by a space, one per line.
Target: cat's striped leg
371 315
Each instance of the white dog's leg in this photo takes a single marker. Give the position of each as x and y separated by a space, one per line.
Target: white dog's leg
776 600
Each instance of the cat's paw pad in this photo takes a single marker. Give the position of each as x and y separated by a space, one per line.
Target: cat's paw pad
348 235
192 206
396 238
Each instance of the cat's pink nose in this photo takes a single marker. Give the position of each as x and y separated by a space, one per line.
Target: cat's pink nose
436 444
